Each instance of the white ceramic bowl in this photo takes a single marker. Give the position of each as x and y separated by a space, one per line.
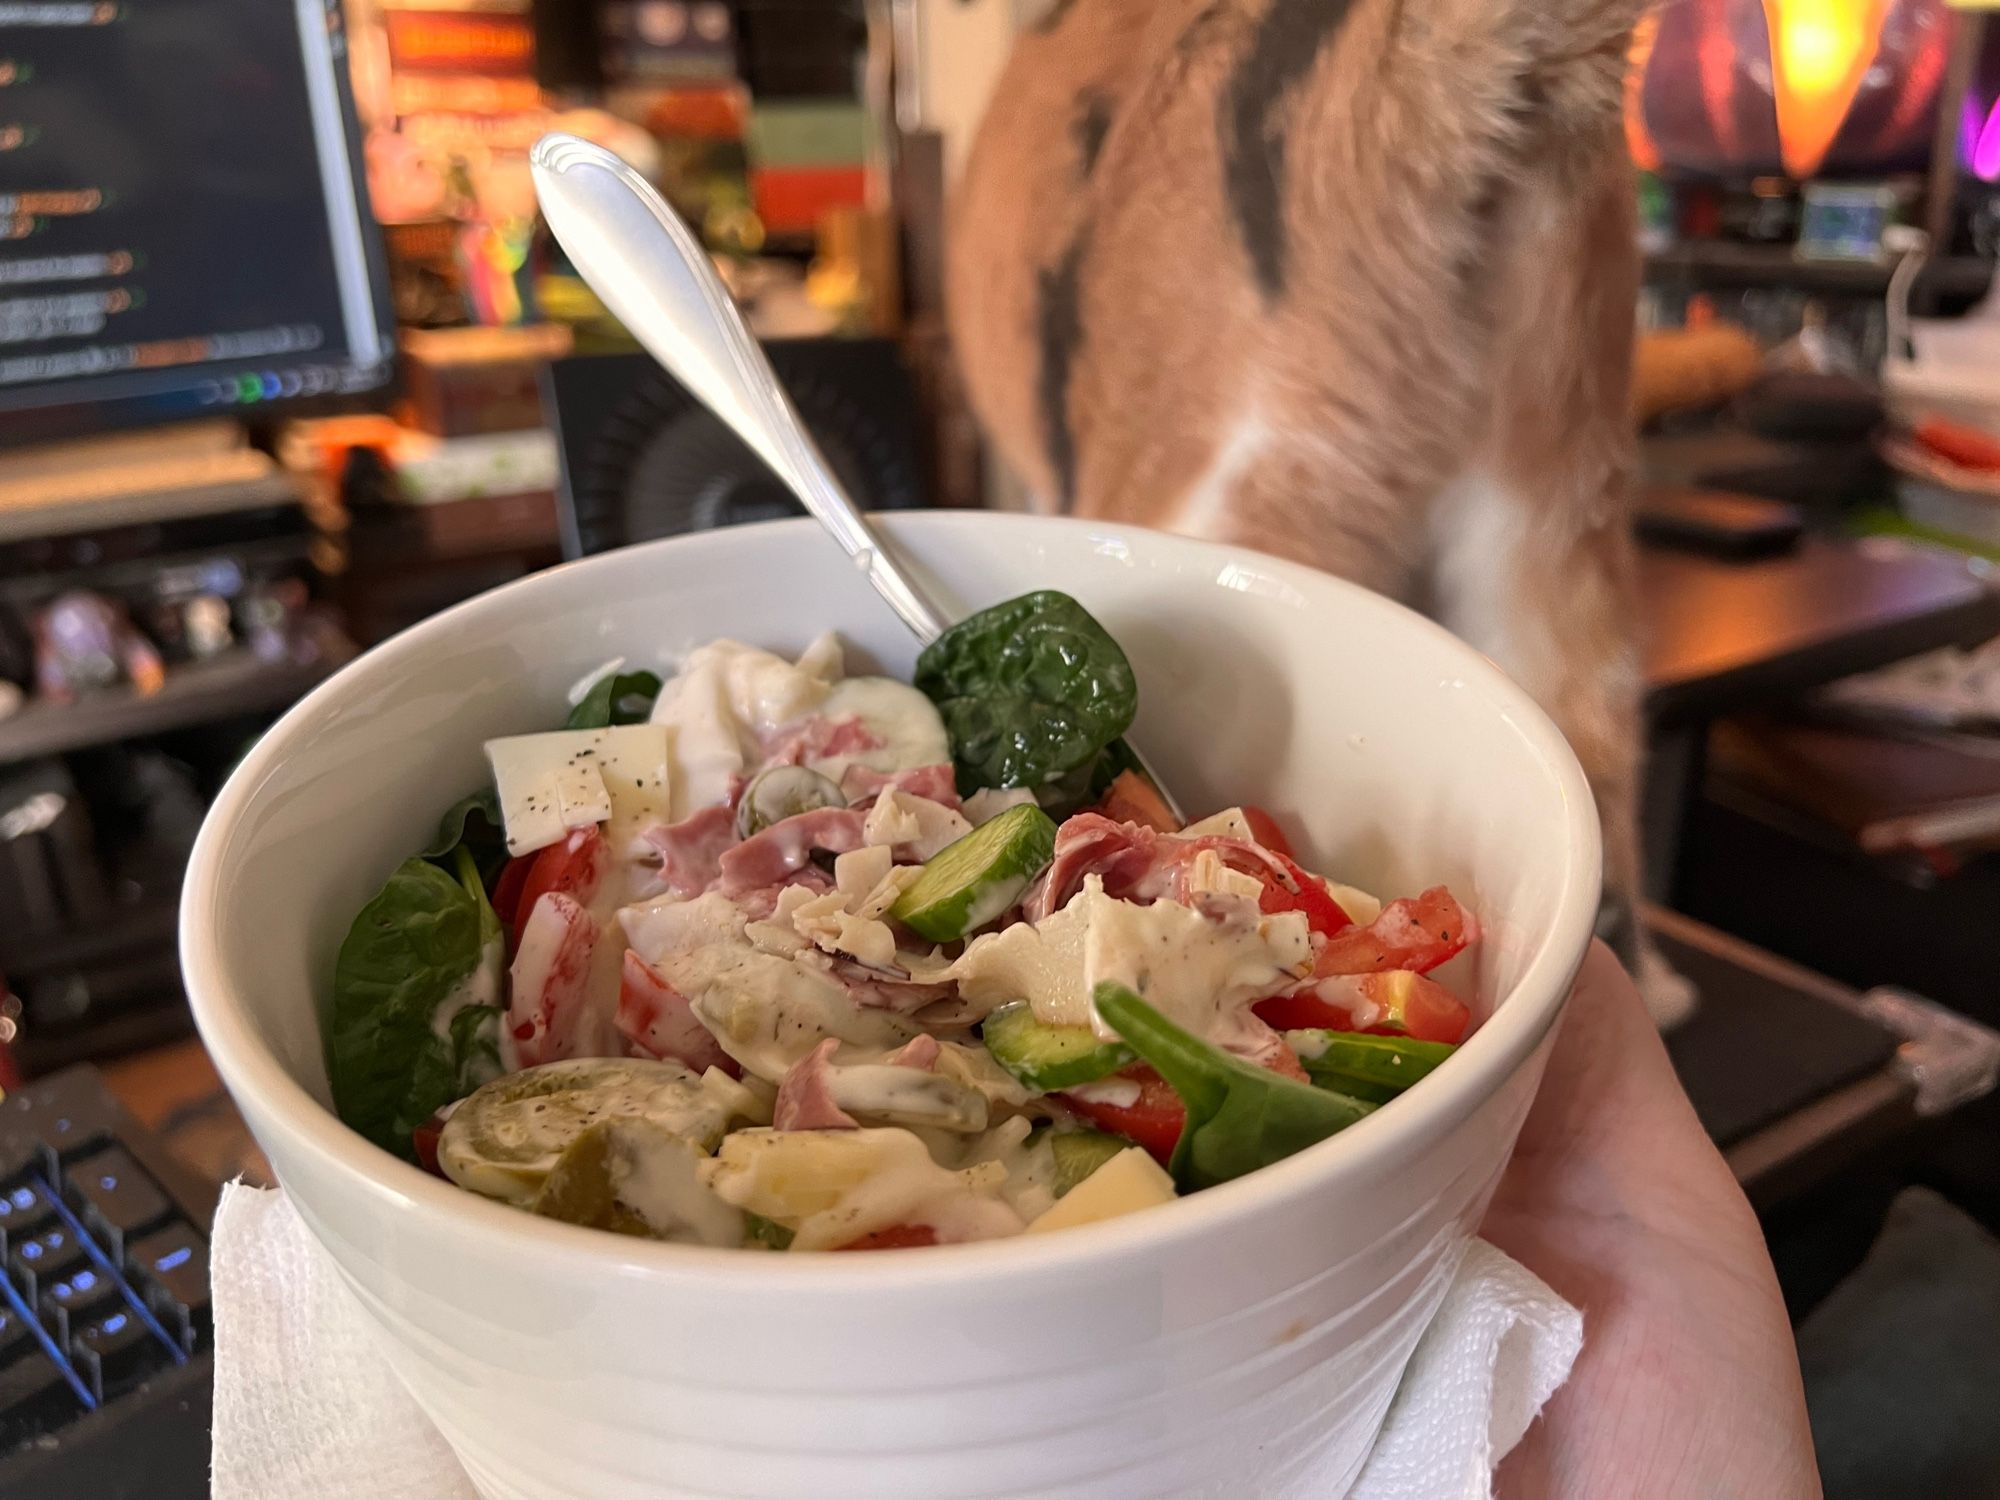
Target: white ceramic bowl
1244 1342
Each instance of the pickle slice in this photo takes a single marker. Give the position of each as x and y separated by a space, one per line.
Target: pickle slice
504 1139
634 1176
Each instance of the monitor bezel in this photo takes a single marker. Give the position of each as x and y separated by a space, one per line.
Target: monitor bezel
88 415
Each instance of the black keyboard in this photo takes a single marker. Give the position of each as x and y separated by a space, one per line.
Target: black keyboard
105 1325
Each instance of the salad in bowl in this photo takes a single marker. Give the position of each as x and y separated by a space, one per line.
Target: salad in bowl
770 956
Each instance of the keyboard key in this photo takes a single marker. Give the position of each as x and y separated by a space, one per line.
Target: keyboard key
15 1333
85 1293
116 1351
35 1397
41 1260
25 1206
114 1197
170 1270
65 1137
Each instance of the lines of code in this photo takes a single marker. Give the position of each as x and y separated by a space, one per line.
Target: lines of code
163 220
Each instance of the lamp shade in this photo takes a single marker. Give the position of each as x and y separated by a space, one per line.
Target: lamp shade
1802 87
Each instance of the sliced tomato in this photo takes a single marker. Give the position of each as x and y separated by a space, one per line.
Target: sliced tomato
658 1021
1415 1006
572 865
1304 1011
1283 1061
1396 1003
1131 798
1265 830
895 1237
550 978
1153 1120
1323 913
506 898
1417 933
424 1141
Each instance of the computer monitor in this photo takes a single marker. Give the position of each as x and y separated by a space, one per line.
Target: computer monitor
184 219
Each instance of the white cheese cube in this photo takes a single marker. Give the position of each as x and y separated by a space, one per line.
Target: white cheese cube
582 796
570 778
1130 1181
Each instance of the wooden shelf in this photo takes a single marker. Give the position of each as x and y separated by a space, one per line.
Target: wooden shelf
113 937
1723 265
195 693
60 515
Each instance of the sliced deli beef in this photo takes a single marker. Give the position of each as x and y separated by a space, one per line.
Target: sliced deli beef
805 1098
934 783
691 850
818 738
1137 863
776 853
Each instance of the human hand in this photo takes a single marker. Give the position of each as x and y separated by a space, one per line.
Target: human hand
1688 1384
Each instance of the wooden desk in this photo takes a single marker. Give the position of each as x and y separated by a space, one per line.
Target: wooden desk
1720 636
174 1090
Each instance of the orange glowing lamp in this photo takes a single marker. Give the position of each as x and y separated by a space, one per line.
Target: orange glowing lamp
1820 52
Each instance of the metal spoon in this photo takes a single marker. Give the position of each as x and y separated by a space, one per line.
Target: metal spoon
647 267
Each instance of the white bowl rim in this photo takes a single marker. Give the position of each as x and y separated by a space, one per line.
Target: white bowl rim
1520 1020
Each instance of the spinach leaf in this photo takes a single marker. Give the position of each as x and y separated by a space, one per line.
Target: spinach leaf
415 1017
1085 786
473 824
615 698
1239 1116
470 883
1031 691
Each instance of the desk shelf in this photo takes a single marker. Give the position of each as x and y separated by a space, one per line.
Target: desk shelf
225 686
1720 265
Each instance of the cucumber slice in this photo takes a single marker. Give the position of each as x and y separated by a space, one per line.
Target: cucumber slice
1078 1153
1375 1068
1045 1057
972 881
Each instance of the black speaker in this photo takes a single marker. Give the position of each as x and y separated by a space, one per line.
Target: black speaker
568 46
801 48
642 458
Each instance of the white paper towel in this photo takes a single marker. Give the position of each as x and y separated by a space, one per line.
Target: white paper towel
305 1406
1500 1345
307 1409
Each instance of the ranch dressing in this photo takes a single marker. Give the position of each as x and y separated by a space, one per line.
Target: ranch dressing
1200 969
725 696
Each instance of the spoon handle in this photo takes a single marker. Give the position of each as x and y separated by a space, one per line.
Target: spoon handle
655 277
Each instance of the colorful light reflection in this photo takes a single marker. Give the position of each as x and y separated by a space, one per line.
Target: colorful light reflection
1979 139
1820 51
